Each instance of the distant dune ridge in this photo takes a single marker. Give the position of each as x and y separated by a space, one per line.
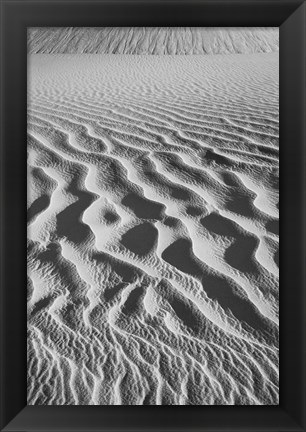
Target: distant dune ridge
153 204
152 40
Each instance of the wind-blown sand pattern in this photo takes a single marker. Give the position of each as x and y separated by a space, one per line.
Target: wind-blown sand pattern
152 225
152 40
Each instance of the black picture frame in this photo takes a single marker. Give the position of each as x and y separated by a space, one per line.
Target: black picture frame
16 16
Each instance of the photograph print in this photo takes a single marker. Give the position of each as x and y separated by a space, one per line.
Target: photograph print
153 209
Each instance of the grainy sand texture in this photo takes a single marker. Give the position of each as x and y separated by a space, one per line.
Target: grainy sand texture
153 216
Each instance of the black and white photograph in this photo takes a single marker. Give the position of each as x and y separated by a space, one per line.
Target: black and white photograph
153 216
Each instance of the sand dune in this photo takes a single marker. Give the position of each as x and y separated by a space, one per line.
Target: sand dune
152 225
152 40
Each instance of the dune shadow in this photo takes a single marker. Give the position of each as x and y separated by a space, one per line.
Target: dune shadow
240 254
133 303
110 293
185 310
269 151
111 217
220 225
140 239
51 254
193 211
180 193
42 304
230 179
37 207
230 297
212 157
223 290
171 222
242 205
69 221
142 207
30 288
180 255
185 313
273 226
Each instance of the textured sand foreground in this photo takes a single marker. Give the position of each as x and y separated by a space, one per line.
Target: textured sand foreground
153 229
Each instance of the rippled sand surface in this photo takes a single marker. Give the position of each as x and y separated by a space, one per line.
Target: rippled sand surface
152 40
153 229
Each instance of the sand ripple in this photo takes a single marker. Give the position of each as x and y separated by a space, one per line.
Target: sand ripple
153 229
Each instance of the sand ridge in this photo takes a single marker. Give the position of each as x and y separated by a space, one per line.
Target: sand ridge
152 40
153 229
